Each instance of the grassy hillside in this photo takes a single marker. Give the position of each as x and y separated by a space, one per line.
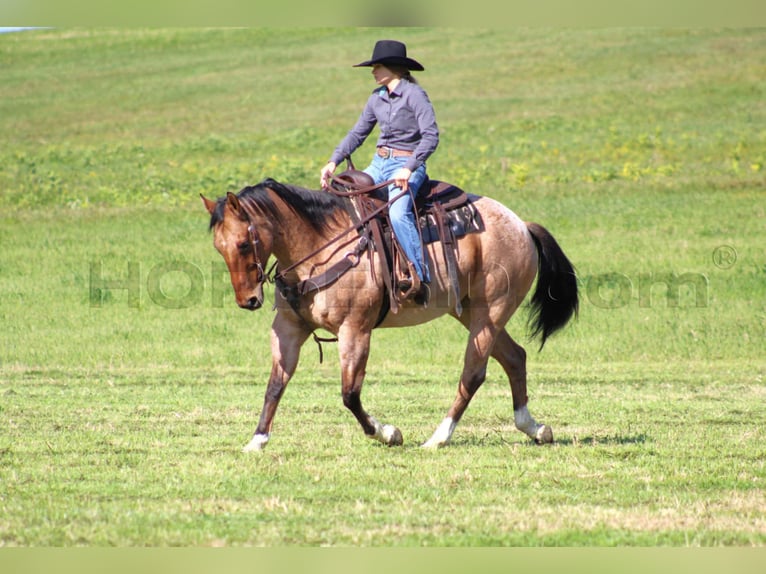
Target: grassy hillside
130 117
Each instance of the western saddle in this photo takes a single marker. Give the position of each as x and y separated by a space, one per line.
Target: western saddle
444 213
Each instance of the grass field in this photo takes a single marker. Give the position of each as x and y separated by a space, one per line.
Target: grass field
129 379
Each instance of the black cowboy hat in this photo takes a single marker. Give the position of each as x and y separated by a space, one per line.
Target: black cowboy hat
391 52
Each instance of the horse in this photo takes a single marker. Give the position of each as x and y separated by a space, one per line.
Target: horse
300 229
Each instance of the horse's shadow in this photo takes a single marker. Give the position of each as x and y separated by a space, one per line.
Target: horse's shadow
573 441
608 440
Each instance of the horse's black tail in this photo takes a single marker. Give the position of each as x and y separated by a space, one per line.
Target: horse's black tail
555 299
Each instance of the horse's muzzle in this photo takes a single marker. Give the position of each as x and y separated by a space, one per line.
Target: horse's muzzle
251 304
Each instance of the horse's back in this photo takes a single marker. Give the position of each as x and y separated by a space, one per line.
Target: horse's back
504 252
505 233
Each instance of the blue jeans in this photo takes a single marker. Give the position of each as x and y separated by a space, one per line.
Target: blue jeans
402 211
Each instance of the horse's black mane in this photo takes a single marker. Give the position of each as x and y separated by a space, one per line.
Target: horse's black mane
318 209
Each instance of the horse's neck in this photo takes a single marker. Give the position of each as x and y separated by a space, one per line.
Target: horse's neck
300 248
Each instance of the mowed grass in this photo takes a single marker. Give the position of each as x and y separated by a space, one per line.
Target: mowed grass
129 379
151 458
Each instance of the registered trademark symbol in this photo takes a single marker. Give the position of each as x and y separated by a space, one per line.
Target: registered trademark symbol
724 257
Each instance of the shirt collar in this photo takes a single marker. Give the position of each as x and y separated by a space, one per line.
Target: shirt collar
399 87
398 90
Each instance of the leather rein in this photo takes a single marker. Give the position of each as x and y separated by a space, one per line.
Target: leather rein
351 259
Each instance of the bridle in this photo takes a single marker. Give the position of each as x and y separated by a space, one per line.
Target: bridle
255 241
351 259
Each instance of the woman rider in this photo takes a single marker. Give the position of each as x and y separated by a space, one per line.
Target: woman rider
408 136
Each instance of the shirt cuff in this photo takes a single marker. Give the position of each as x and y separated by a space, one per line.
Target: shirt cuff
412 163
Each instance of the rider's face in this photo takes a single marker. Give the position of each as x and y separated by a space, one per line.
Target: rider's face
383 76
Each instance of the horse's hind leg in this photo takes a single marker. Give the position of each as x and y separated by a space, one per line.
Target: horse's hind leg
354 348
489 340
513 359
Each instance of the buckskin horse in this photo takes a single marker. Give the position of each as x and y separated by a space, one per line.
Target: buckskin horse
313 233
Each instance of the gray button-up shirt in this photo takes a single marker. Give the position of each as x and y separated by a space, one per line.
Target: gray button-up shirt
406 119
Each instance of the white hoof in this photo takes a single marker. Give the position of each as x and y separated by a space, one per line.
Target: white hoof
433 444
258 442
544 435
392 436
387 434
442 434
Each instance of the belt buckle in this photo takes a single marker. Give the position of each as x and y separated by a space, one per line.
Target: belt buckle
388 152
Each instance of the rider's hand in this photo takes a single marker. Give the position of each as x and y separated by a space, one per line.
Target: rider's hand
327 171
401 178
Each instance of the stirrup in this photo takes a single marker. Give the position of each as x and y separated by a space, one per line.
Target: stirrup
408 286
417 291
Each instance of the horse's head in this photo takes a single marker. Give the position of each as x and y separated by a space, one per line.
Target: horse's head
244 245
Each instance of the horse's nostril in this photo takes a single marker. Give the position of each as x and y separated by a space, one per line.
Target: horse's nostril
253 303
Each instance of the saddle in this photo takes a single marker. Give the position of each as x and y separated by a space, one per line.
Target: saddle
444 213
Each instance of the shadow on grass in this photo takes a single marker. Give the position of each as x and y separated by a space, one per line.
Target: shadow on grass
516 439
607 440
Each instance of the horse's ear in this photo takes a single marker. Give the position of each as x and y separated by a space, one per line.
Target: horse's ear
233 201
209 205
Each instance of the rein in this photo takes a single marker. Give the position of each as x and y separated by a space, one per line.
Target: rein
281 274
350 260
358 190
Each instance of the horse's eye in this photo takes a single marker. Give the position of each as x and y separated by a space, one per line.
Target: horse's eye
244 247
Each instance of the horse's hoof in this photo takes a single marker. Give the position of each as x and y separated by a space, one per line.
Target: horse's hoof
393 436
544 435
257 443
432 444
442 434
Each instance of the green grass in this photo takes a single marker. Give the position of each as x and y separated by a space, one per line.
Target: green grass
150 457
123 414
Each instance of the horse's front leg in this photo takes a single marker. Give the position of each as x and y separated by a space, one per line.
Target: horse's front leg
286 341
354 348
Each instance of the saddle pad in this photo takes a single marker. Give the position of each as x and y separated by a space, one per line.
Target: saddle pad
462 221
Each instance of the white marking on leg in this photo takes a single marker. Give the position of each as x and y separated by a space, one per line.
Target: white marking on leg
442 435
525 423
258 442
378 435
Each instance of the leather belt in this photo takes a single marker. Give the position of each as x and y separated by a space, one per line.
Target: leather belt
388 152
